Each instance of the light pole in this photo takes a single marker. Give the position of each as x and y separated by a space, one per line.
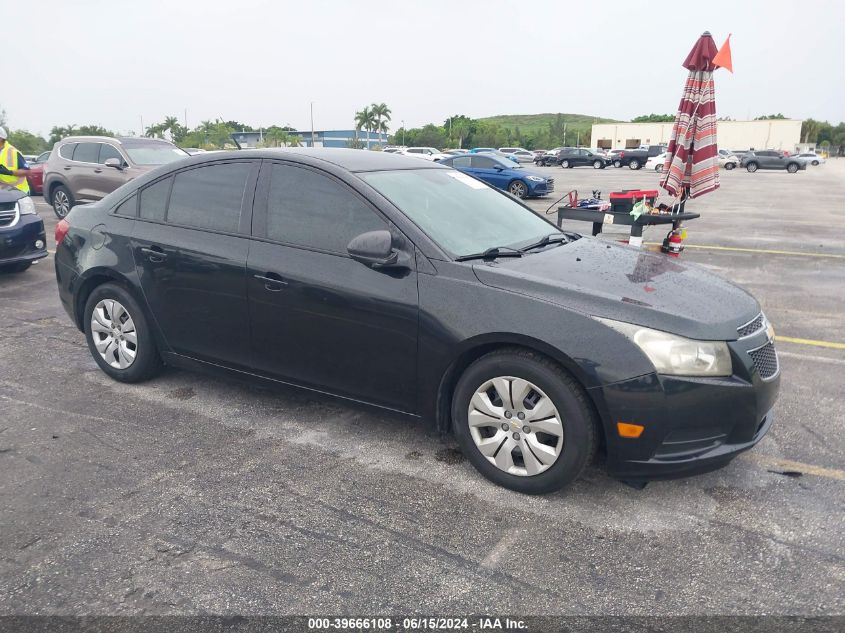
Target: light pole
403 133
312 124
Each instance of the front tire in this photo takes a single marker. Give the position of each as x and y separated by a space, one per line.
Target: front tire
119 338
729 166
598 164
62 201
634 164
565 164
792 168
617 164
551 431
815 163
518 188
751 167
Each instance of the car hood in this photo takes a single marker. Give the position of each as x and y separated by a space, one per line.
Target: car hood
10 194
603 279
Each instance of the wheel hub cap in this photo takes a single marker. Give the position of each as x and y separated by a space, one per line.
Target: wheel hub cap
515 425
113 333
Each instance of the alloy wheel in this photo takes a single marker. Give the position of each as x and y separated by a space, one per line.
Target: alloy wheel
114 334
518 189
61 203
515 426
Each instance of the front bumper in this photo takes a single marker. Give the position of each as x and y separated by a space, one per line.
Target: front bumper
692 425
17 243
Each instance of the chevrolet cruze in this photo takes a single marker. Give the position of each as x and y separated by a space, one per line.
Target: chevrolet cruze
417 288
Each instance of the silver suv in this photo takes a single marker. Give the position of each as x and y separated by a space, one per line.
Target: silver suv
87 168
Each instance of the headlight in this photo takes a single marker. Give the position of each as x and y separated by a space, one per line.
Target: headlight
676 355
26 206
535 178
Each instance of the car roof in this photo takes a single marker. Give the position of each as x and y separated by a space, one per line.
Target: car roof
354 160
113 139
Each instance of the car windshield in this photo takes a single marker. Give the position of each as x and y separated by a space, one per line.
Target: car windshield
153 153
461 214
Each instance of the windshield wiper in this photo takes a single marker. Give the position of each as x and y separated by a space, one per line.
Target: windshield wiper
554 238
492 253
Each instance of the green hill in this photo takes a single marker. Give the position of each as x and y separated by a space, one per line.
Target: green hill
531 124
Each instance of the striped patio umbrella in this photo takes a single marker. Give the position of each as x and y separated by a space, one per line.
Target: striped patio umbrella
692 158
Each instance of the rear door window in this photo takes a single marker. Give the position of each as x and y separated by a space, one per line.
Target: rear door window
483 162
86 152
306 208
462 161
209 197
154 200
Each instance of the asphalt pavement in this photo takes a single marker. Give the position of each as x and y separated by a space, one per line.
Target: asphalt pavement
190 494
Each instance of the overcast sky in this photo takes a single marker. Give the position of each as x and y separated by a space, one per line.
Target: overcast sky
111 62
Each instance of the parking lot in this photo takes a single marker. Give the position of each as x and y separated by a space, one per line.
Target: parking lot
191 494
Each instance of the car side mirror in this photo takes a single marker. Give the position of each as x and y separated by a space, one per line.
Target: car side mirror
114 163
376 250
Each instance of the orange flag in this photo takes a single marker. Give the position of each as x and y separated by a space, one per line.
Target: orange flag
723 57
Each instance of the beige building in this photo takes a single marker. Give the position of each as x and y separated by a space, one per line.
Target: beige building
770 134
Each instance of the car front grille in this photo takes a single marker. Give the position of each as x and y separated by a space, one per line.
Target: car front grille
765 360
8 218
752 326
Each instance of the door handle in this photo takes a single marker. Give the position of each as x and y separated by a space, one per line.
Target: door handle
155 255
98 171
66 167
272 281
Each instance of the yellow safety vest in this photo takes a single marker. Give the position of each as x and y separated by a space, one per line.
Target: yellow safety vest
9 159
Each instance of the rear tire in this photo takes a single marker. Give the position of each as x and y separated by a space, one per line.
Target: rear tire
18 267
560 402
751 167
111 302
62 201
815 163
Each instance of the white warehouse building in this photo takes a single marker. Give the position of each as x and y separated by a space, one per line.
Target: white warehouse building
784 134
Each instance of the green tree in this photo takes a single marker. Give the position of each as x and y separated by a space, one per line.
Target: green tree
810 130
364 119
57 133
27 142
654 118
381 114
766 117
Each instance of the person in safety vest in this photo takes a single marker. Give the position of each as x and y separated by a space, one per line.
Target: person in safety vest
13 166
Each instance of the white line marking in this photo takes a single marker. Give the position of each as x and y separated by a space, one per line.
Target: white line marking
819 359
499 550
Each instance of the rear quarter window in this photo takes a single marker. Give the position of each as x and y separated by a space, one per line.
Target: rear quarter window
66 151
154 200
128 207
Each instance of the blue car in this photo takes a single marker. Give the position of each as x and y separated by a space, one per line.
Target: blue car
493 150
22 238
502 173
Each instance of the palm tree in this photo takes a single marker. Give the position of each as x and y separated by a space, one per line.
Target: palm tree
294 141
382 115
171 124
365 119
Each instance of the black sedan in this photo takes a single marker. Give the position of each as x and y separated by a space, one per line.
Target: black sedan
413 287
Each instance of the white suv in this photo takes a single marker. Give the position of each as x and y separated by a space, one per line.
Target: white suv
428 153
